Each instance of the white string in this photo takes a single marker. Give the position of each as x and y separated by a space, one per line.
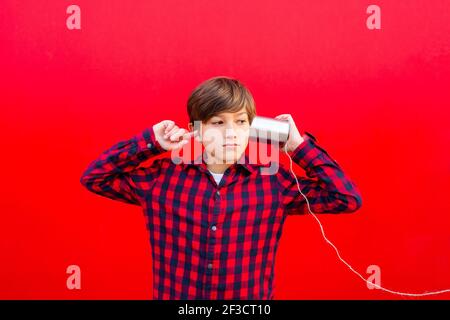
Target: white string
338 254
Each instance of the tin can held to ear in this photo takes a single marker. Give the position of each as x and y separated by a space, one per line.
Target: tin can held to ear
269 130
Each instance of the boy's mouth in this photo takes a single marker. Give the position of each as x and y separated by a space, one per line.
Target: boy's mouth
230 145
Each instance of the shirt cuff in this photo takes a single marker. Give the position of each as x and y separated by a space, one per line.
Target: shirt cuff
146 140
306 151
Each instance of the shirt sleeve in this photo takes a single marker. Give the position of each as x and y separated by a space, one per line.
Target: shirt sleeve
115 173
327 188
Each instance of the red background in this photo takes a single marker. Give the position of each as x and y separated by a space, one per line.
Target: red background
377 101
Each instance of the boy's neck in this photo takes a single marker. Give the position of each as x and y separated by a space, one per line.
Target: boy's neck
218 168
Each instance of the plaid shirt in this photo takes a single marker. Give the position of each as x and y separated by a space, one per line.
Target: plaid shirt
214 241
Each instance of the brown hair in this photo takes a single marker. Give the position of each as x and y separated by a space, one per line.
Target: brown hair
217 95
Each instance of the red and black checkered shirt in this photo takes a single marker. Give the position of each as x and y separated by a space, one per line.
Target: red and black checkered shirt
214 241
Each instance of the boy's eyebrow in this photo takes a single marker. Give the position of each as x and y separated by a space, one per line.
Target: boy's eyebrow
240 113
237 114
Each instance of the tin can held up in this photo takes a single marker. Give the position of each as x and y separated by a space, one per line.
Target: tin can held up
269 130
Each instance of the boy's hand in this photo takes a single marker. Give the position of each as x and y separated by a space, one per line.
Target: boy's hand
295 138
170 136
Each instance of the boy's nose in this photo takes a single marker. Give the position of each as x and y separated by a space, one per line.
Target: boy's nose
230 133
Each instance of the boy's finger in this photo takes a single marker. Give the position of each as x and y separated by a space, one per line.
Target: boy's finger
187 136
180 144
190 134
169 126
284 118
177 134
171 132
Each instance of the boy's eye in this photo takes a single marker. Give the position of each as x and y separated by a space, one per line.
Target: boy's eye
219 122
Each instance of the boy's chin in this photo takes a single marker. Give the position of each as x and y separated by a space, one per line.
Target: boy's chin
229 157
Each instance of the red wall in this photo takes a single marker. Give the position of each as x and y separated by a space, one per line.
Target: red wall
377 101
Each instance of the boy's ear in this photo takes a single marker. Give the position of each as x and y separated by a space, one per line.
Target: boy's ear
196 126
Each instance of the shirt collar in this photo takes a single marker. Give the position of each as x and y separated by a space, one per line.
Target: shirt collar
244 162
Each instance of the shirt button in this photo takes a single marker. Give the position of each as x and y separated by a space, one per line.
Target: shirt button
210 266
213 228
218 193
149 145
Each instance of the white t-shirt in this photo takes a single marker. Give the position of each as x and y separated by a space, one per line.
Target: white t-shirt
217 176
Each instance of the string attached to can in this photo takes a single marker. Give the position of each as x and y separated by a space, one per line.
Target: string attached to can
339 255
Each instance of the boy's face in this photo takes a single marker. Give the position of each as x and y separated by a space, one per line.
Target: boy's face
225 136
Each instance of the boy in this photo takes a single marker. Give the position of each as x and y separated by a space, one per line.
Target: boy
215 224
